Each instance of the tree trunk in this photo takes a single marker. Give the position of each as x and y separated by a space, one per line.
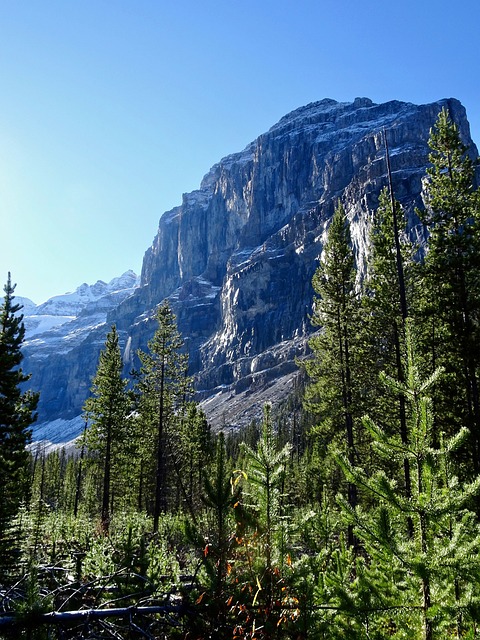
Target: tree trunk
106 481
160 475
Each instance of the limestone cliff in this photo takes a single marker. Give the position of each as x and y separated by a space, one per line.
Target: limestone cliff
236 258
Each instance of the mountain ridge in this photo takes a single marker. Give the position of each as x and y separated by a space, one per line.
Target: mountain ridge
236 257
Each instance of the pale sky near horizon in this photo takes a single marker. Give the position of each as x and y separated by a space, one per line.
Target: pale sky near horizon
111 109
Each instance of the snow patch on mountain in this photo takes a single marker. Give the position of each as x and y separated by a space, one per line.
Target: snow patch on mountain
57 327
71 304
28 306
63 320
37 324
48 434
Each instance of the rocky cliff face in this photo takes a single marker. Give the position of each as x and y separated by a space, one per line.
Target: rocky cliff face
63 338
236 258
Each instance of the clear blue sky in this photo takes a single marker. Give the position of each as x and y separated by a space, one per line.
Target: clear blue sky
110 110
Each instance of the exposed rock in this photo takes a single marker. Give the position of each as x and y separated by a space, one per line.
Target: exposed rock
63 339
236 258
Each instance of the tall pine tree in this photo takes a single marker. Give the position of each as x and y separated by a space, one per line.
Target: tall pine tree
107 410
332 394
164 387
17 412
388 293
450 306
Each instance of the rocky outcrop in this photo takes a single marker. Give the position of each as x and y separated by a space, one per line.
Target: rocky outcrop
236 258
63 339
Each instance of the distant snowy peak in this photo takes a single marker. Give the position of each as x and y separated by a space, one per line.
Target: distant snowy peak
128 280
87 306
28 306
72 304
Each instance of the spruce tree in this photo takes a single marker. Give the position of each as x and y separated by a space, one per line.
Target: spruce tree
388 293
332 393
107 409
220 497
265 471
191 451
266 541
17 411
434 573
164 387
385 306
214 538
450 304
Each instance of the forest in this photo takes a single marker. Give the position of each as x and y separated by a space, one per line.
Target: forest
350 511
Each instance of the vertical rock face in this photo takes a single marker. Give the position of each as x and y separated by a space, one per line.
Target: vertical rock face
236 258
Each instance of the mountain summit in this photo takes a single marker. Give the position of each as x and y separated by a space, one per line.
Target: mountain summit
237 256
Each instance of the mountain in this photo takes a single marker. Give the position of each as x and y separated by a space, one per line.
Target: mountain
89 297
54 334
237 256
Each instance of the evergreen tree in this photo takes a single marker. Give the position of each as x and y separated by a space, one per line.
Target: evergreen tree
69 484
436 571
265 543
450 305
107 411
265 471
220 497
388 292
191 451
332 394
215 539
384 312
17 408
164 387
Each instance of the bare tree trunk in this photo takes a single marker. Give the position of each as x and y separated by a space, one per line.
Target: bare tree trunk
160 475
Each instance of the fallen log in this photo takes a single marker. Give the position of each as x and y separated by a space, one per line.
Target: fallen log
65 617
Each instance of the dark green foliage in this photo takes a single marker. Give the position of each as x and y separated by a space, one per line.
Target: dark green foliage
304 525
191 450
17 409
265 469
389 290
215 540
449 308
333 392
433 572
221 497
108 435
164 388
383 311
